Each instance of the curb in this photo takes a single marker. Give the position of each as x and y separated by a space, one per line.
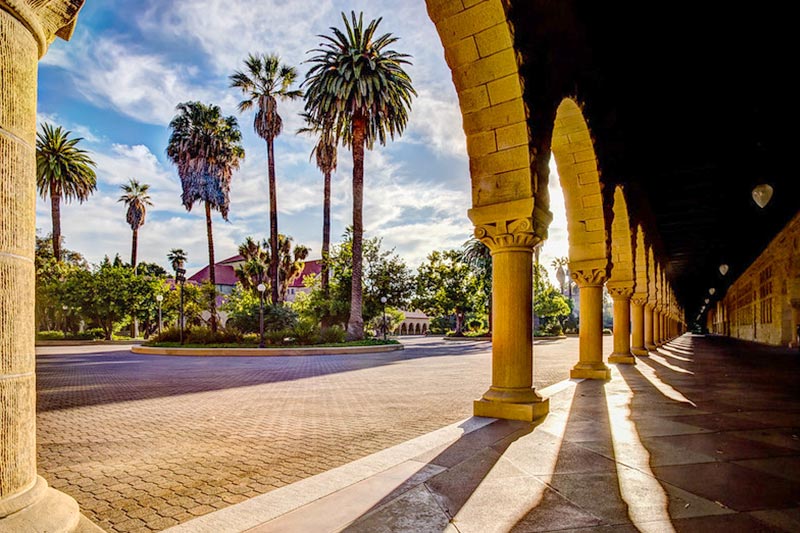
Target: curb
266 352
86 343
484 339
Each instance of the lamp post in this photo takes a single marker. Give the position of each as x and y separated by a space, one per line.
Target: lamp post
261 288
159 299
65 309
180 277
383 301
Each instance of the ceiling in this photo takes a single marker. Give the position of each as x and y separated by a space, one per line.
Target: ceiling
691 106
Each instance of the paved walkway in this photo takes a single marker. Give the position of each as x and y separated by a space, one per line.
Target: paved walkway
703 435
147 442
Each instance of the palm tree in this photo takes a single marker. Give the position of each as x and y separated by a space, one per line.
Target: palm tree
478 256
325 153
256 260
177 258
290 263
265 80
358 86
206 148
62 171
561 273
137 199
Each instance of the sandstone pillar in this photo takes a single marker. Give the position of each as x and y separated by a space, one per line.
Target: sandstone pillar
657 324
26 502
649 326
621 295
511 394
637 323
590 284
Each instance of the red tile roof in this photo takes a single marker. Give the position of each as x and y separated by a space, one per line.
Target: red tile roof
226 275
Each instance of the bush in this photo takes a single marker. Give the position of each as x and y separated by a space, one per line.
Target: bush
94 333
206 336
606 331
50 335
172 334
332 335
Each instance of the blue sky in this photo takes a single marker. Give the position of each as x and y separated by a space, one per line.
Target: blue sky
129 63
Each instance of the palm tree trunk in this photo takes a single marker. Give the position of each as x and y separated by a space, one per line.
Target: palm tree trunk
55 212
134 246
355 324
273 222
326 233
212 274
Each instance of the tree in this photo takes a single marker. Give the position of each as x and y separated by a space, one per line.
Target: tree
206 148
325 154
50 276
549 305
561 273
63 171
137 199
177 258
478 256
359 87
446 285
291 262
265 80
385 274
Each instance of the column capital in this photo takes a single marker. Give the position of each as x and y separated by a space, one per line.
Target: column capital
589 276
45 20
509 234
639 298
620 289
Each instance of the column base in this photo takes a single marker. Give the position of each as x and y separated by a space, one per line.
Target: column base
650 347
622 358
590 371
641 352
527 412
47 510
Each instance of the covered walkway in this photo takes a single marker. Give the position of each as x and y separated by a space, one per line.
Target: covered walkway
702 435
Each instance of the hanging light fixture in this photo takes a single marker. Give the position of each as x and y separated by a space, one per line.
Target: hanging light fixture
762 194
706 300
711 291
723 269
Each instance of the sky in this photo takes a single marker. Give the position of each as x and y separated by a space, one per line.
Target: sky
129 63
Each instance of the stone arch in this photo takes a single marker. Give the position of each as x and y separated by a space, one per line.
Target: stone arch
640 263
417 329
573 151
424 329
622 242
403 329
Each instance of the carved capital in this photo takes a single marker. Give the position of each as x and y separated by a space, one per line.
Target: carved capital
619 292
45 20
589 277
508 234
639 298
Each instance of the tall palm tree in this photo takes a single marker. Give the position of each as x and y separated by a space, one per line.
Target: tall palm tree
137 199
290 263
63 171
360 87
206 148
177 258
561 273
325 154
478 256
265 80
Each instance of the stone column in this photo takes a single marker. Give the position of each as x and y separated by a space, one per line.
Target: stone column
638 301
26 502
621 295
511 395
590 284
657 325
649 326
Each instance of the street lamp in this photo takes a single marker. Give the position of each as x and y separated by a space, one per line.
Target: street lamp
180 278
383 301
261 288
159 299
65 309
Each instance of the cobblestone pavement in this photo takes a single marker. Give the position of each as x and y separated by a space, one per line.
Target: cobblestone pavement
146 442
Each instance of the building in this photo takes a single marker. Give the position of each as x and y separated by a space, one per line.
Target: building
226 279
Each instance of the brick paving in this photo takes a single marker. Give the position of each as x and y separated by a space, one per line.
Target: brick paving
147 442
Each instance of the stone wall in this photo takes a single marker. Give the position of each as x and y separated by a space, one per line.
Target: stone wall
763 304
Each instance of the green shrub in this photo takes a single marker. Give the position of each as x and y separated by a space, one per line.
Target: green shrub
50 335
606 331
94 333
172 334
332 335
206 336
306 332
251 338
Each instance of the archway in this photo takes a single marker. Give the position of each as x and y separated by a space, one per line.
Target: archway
589 266
622 281
639 298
